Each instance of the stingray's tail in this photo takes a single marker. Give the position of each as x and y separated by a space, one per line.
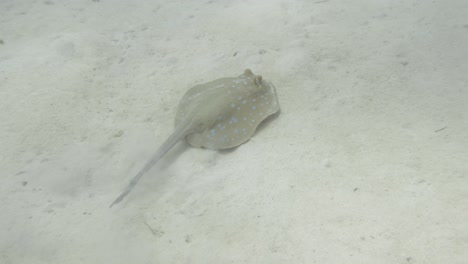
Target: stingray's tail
178 134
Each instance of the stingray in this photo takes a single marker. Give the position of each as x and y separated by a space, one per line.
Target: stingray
220 114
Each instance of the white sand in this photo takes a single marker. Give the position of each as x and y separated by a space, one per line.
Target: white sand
367 163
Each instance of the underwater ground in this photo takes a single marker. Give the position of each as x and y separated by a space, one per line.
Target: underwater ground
366 163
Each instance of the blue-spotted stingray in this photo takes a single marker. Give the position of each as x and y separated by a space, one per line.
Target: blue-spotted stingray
220 114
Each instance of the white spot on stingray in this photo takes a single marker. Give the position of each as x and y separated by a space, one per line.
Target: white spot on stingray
233 105
254 100
244 118
236 131
254 107
233 119
238 108
239 98
219 117
213 132
244 102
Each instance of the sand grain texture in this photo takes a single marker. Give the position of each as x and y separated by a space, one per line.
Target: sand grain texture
367 162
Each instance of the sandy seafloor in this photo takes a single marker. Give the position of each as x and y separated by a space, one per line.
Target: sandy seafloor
367 162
